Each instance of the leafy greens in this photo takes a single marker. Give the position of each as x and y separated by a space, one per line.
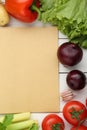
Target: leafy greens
70 16
7 121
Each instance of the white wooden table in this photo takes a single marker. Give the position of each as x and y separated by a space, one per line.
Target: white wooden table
80 95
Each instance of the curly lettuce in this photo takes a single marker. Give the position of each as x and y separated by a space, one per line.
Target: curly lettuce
70 16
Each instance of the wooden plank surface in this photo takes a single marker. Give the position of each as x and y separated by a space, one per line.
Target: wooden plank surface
62 74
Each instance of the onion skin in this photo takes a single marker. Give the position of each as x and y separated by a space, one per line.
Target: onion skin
76 79
69 54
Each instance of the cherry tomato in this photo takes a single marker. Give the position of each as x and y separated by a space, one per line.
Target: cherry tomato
81 127
53 122
74 112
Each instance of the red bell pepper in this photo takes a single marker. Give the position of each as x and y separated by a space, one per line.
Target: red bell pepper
23 10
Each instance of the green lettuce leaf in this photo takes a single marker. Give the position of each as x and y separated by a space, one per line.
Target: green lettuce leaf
70 16
46 4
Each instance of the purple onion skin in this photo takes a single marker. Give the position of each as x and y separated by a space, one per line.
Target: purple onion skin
69 54
76 80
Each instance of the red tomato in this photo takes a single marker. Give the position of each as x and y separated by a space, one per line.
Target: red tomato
52 122
86 102
74 112
82 127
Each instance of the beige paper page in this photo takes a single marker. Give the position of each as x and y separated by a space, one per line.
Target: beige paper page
28 70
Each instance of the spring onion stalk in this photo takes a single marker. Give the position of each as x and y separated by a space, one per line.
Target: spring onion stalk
21 125
18 117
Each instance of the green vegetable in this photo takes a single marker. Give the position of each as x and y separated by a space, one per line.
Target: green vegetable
18 117
70 16
22 125
47 4
18 122
34 127
7 121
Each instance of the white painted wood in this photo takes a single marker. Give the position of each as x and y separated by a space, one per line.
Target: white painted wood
80 95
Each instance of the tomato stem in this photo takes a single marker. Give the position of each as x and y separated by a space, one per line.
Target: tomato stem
56 126
75 114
